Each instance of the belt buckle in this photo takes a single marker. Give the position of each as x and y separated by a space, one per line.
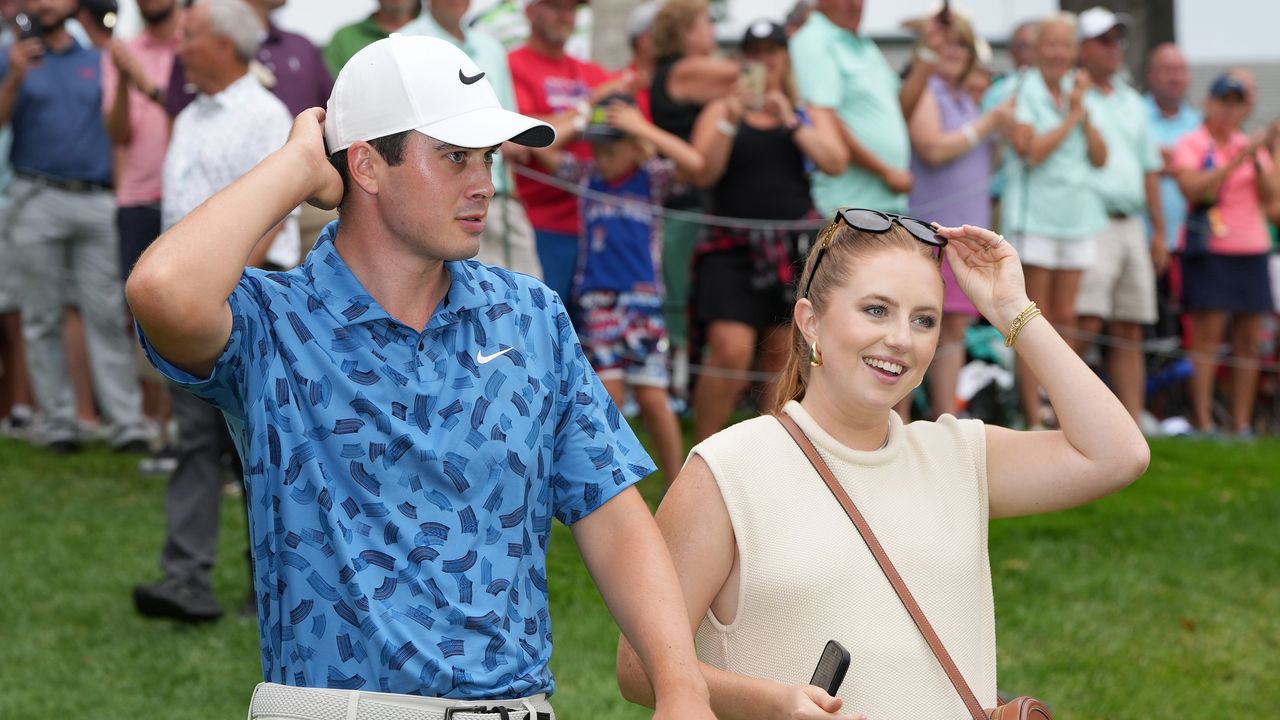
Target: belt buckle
503 712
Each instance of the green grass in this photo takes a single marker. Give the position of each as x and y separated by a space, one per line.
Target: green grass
1162 601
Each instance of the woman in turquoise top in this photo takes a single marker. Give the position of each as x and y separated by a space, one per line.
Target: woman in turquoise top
1049 209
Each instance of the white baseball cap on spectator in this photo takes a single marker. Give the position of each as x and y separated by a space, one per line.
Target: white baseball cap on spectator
426 84
640 21
1098 21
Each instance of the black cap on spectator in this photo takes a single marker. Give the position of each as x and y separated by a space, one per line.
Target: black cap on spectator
765 31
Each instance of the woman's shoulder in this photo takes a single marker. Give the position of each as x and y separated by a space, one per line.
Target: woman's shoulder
967 432
740 436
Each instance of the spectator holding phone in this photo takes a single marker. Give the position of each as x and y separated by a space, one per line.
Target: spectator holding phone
744 279
772 568
1224 253
62 225
1050 210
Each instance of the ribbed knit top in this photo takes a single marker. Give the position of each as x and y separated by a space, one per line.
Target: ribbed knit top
806 577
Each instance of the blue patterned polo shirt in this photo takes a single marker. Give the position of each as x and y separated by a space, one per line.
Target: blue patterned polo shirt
401 484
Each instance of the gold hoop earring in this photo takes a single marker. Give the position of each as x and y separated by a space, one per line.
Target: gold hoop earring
815 355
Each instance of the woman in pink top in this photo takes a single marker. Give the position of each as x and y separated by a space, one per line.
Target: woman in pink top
1226 277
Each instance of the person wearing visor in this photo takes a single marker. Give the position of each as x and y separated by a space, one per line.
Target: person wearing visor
772 568
1227 177
409 420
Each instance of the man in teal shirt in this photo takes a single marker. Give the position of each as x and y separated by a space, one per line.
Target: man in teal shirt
508 239
1119 289
351 39
851 88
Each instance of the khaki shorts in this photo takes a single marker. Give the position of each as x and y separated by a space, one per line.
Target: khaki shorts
1121 284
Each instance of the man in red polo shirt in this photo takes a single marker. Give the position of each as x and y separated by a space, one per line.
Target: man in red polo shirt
554 87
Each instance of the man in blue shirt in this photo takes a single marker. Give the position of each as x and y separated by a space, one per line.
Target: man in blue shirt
1171 118
409 421
61 225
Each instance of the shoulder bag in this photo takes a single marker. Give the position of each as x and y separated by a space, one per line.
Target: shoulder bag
1020 708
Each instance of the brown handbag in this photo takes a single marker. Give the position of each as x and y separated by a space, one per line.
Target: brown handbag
1019 708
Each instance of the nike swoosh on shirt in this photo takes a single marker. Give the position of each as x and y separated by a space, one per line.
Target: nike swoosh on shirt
485 359
469 79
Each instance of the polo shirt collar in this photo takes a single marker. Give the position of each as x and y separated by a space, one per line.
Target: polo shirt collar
471 289
824 23
229 95
434 28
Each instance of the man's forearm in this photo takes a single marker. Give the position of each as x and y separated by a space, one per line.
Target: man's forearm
630 564
118 115
860 156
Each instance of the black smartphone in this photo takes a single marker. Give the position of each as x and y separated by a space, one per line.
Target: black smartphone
832 666
28 26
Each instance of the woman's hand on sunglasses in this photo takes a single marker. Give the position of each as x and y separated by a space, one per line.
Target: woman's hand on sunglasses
988 270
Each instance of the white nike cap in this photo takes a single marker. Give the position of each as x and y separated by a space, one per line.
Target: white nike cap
426 84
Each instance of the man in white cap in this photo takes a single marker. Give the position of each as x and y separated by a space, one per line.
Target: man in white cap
1119 289
409 420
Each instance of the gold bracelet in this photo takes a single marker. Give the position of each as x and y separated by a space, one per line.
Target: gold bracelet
1019 322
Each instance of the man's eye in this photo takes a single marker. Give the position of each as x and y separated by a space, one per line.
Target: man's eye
457 157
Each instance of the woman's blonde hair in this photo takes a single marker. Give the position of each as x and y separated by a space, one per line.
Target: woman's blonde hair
672 23
845 246
963 28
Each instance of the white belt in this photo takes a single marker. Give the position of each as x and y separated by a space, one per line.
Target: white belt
271 700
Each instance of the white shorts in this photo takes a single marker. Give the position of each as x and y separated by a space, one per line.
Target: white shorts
284 702
1121 284
1054 253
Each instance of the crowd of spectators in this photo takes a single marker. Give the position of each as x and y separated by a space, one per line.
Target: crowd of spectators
1125 209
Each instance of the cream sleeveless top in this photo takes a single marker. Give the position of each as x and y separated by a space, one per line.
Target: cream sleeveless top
807 577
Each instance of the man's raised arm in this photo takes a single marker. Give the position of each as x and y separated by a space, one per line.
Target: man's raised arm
178 290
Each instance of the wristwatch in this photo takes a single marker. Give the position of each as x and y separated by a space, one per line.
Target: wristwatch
925 55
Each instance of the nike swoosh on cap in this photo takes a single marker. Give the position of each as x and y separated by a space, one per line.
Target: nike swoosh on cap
469 79
484 359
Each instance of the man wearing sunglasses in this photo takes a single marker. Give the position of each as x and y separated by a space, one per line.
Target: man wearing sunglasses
1119 289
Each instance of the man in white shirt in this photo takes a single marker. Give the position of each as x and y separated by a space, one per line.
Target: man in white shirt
231 127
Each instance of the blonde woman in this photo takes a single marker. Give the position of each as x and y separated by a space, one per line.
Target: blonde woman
770 566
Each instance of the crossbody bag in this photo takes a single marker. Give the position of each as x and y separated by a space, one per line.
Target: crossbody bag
1020 708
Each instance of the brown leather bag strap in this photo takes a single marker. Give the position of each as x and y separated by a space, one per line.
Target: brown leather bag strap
890 572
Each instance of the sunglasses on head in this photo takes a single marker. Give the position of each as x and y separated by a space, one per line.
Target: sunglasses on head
875 221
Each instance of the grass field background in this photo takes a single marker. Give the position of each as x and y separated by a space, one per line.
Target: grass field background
1162 601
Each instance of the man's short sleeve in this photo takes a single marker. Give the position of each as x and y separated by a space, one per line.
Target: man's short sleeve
595 453
817 76
240 372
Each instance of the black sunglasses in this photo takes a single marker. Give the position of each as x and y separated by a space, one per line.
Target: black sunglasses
875 221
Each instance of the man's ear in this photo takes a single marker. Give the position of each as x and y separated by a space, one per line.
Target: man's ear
364 165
